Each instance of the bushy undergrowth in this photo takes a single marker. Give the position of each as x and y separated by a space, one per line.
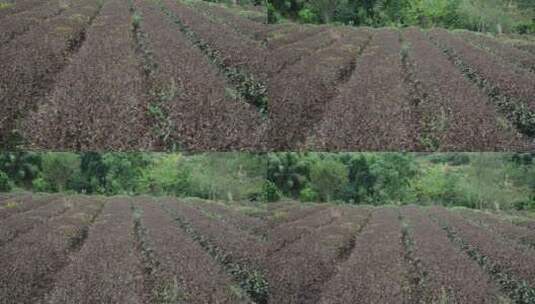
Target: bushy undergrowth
5 184
475 180
478 15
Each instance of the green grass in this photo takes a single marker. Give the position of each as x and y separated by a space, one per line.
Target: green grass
11 205
5 5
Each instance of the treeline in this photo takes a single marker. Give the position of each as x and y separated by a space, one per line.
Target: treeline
487 180
496 16
478 180
218 176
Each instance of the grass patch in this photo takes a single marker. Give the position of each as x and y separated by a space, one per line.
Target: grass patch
12 205
5 5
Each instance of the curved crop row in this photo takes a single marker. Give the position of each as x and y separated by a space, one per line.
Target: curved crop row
29 262
453 113
240 253
106 269
241 247
522 45
511 89
285 56
24 203
242 25
286 34
181 270
508 53
372 110
285 234
24 222
297 272
14 25
241 60
31 61
299 94
450 276
198 118
503 227
97 101
234 217
375 270
510 264
235 50
287 212
512 82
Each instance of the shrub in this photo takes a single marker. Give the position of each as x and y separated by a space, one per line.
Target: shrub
270 192
525 205
329 178
272 15
307 16
308 195
41 185
5 184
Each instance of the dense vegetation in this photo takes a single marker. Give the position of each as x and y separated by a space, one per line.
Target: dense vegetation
223 176
488 180
485 180
478 15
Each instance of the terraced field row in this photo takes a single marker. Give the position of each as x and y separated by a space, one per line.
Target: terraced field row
80 249
167 74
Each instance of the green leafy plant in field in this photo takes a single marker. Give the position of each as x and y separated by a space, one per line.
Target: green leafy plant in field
168 292
136 20
253 282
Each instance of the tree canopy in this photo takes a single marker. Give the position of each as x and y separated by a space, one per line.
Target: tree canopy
478 15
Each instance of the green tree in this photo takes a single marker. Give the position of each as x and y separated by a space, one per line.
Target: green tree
59 168
394 173
167 175
288 171
123 171
361 184
21 167
328 178
227 176
93 173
